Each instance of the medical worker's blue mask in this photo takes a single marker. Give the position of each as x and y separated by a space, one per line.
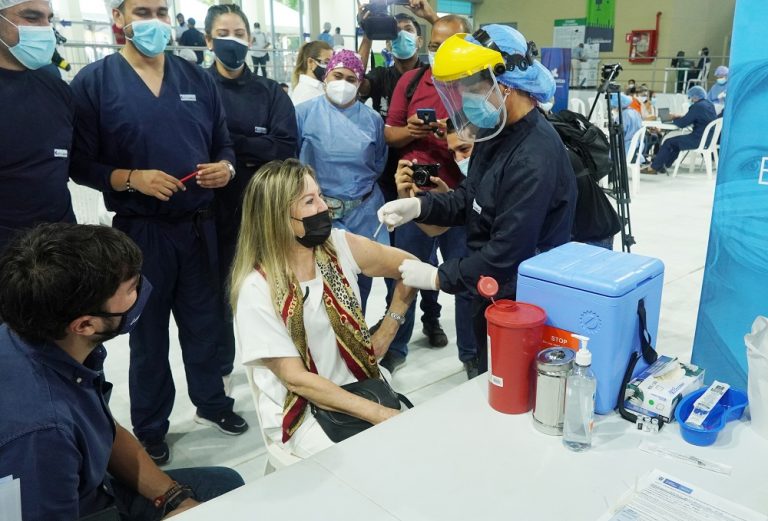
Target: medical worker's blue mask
150 37
721 81
463 166
128 319
35 47
230 52
479 111
404 46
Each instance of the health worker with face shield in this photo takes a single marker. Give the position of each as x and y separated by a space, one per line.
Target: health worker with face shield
151 135
343 141
520 193
262 125
37 122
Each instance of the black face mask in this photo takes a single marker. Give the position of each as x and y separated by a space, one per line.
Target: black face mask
128 318
319 72
317 229
231 53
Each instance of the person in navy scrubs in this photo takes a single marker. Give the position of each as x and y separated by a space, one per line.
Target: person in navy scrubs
37 123
151 135
262 125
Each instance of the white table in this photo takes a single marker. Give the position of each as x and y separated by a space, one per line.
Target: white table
659 125
455 458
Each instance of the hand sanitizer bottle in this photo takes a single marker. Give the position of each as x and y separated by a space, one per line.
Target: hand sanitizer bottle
580 401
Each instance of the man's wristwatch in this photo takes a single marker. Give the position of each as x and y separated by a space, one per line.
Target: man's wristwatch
400 319
232 170
172 498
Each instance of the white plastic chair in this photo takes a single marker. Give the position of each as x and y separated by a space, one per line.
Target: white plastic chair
636 144
277 456
708 153
577 105
88 205
702 79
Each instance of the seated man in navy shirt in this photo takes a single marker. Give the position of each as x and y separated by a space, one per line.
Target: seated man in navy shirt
64 290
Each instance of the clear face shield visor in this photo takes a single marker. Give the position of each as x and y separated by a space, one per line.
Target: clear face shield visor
475 105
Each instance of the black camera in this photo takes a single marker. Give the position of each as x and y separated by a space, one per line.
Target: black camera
380 24
611 71
422 173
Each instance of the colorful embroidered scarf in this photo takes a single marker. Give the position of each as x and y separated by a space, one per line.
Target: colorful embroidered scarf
346 316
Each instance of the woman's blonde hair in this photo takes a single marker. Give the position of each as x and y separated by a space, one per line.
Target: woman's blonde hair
266 237
307 51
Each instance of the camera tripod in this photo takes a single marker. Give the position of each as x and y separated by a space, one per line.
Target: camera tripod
618 179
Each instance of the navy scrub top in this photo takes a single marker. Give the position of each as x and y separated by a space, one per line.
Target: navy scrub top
122 124
36 128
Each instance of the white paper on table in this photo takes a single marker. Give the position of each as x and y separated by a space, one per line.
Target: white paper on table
10 499
661 497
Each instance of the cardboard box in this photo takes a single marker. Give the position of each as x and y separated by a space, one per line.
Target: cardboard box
656 391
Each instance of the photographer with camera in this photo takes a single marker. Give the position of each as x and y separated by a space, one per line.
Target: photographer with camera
413 134
406 40
520 193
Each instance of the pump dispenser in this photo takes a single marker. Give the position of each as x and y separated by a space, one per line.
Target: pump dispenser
580 400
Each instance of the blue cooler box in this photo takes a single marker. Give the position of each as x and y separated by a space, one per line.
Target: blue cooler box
594 292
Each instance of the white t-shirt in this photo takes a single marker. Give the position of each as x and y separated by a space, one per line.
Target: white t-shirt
260 333
259 44
306 89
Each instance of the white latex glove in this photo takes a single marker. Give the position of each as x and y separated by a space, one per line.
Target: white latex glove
419 275
396 213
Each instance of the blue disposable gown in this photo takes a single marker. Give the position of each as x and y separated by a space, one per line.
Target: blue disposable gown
715 91
632 123
347 150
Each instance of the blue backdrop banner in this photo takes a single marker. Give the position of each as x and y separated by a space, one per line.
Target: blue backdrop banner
735 289
558 61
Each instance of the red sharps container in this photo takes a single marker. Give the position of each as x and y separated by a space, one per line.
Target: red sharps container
515 331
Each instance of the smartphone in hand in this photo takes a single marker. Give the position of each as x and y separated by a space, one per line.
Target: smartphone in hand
426 115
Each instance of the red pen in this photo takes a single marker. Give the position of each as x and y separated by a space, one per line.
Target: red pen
188 177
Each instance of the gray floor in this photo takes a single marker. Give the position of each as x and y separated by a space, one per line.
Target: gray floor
670 219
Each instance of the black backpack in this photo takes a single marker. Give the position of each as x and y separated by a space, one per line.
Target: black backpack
588 149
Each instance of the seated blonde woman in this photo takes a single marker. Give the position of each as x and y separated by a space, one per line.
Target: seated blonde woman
298 320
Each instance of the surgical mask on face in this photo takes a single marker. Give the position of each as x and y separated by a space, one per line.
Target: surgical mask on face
643 99
463 166
479 111
721 81
404 46
546 106
150 36
317 229
128 319
340 92
230 52
431 58
35 47
653 101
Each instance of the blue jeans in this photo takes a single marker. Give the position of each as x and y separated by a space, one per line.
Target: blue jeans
206 483
604 243
453 245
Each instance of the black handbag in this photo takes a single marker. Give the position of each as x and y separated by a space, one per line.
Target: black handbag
339 426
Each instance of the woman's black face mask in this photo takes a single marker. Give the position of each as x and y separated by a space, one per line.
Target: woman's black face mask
317 229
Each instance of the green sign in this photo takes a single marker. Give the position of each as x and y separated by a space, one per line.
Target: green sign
601 13
570 22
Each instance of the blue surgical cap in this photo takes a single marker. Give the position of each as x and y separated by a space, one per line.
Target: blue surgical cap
625 100
721 72
536 80
697 92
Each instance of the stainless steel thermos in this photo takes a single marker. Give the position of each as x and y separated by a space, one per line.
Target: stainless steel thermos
552 366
